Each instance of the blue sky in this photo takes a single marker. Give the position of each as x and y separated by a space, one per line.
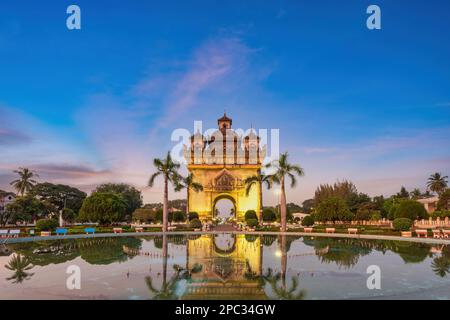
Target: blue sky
97 104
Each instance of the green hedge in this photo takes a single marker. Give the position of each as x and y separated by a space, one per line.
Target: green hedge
196 224
308 221
193 215
46 224
252 223
269 215
250 214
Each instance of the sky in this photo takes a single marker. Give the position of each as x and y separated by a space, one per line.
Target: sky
84 107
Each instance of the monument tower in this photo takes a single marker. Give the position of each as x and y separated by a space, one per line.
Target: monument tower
221 162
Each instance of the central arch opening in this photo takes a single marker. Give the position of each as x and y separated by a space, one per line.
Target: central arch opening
224 209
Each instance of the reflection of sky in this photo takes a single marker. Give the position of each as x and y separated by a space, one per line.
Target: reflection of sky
321 280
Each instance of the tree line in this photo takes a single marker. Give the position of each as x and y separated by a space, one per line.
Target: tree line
342 202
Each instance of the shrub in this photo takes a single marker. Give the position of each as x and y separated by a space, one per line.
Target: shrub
250 215
46 224
193 215
402 224
411 209
179 216
252 223
144 215
269 215
308 221
196 224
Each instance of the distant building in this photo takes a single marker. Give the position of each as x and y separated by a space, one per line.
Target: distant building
5 199
299 215
430 204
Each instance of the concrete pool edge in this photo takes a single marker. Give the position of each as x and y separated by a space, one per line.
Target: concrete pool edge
159 233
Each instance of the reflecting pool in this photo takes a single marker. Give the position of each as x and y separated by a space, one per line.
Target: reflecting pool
223 266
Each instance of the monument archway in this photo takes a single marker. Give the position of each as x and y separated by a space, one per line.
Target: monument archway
220 163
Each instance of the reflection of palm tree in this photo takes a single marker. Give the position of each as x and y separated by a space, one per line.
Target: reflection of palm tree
20 265
441 266
280 290
168 288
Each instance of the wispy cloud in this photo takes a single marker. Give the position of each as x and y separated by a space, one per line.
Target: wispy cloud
12 137
212 62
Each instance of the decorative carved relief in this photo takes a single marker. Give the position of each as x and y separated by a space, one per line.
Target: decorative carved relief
224 182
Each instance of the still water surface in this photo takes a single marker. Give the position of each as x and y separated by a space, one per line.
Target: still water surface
224 266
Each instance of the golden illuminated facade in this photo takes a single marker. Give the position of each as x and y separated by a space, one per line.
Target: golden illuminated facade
221 162
230 267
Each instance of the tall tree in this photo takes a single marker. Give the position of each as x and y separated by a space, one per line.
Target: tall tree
169 170
28 209
66 199
403 194
284 169
444 200
415 194
188 183
103 208
25 181
130 194
258 179
437 183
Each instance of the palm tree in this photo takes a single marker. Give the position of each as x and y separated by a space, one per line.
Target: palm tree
258 179
169 170
282 169
25 181
20 265
437 183
189 184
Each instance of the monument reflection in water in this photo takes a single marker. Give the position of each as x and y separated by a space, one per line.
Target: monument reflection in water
224 266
